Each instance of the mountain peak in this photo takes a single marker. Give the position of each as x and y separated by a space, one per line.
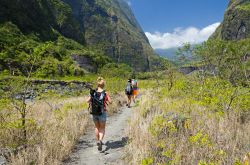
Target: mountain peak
236 23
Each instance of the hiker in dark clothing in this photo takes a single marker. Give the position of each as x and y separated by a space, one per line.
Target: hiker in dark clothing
129 92
98 101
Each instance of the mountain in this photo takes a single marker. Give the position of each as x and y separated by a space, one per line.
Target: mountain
168 53
236 23
106 25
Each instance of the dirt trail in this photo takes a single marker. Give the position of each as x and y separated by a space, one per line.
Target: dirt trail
86 152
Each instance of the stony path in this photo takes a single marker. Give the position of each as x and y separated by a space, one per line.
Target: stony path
86 152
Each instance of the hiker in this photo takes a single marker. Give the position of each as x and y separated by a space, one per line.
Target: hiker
98 100
129 92
135 88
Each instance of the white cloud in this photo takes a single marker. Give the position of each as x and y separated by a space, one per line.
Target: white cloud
128 2
192 35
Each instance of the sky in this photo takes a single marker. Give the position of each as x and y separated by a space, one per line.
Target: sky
170 23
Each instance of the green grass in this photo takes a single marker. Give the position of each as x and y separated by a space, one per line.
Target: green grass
245 7
188 119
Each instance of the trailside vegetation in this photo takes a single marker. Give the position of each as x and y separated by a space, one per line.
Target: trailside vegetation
227 60
201 118
43 129
197 121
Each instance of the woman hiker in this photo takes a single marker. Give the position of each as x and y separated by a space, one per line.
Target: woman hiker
98 101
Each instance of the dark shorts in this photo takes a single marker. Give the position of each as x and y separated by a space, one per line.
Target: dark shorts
101 118
129 94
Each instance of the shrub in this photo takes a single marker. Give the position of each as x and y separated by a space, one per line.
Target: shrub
116 70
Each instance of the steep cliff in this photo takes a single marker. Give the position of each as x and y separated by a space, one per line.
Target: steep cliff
107 25
117 33
236 23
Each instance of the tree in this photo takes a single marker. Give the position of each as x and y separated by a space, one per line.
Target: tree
226 59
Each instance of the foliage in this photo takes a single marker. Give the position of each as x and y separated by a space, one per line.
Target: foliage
245 6
159 64
205 116
227 59
186 55
13 111
48 59
116 70
146 75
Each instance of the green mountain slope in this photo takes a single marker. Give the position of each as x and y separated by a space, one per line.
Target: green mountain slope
236 23
46 18
119 34
108 26
24 54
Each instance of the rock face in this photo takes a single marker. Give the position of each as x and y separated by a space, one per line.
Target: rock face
188 69
108 25
236 23
118 34
85 62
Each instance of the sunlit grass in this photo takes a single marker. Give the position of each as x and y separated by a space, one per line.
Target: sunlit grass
193 123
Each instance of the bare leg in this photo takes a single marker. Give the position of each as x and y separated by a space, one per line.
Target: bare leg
97 128
129 100
102 130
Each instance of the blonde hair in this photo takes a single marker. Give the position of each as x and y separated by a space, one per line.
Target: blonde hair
100 82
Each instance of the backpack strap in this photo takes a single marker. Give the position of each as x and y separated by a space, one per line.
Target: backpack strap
104 95
92 92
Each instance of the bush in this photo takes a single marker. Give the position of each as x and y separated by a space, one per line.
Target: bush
207 118
116 70
227 59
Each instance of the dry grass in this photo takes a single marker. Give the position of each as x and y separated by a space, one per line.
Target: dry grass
206 137
53 127
139 147
118 101
58 124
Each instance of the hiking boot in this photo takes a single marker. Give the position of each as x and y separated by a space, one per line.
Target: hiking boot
99 145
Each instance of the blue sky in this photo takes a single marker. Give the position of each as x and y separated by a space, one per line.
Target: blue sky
168 20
